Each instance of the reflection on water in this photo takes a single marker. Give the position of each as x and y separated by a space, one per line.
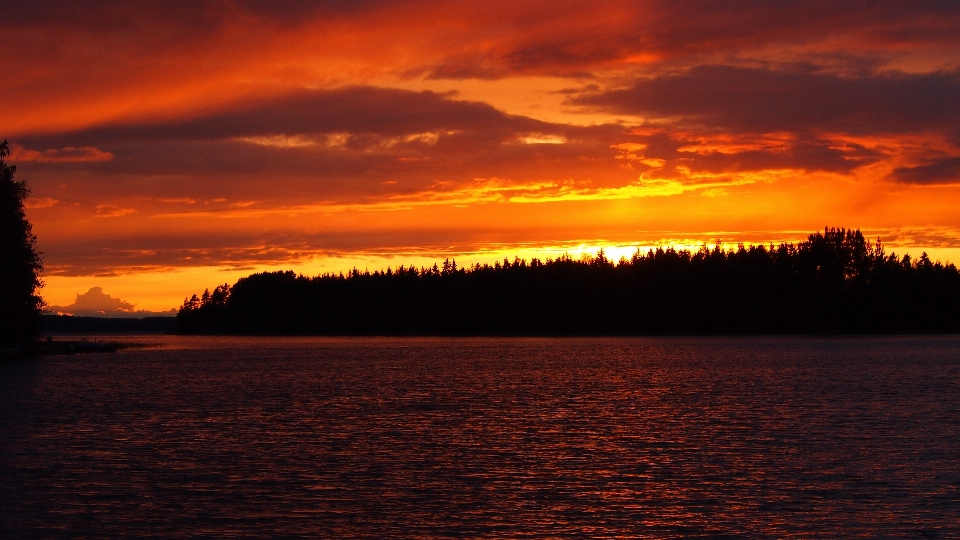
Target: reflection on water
514 438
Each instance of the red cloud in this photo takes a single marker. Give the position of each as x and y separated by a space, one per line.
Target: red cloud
70 154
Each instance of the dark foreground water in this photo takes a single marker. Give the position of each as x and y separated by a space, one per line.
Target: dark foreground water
340 438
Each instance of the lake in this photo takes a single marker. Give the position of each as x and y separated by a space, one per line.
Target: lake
491 437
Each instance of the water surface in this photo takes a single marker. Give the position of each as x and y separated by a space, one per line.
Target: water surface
518 438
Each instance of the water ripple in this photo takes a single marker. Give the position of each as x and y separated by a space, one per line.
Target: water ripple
496 438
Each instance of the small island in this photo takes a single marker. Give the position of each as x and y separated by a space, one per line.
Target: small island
834 282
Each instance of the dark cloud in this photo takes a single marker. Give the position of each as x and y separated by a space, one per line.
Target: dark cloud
575 38
500 40
766 100
354 110
100 15
341 142
808 154
353 143
117 256
207 169
555 56
112 255
942 171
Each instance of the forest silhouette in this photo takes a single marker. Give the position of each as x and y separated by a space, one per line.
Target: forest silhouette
835 282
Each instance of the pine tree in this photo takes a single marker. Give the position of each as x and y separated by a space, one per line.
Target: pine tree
20 264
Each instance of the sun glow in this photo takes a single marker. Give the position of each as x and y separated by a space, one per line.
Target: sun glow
328 138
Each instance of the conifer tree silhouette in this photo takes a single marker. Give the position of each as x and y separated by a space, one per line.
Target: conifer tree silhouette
20 264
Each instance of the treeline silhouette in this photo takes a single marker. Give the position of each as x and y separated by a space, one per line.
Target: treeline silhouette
835 282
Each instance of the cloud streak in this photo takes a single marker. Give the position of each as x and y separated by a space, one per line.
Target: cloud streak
764 100
942 171
70 154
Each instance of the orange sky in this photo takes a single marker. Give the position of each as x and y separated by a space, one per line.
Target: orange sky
172 147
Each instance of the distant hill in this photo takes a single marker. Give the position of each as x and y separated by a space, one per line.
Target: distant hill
67 323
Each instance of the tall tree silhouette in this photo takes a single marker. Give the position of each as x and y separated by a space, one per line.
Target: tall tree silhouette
20 264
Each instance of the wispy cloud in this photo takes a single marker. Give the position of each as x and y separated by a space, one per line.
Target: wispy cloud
111 211
40 202
69 154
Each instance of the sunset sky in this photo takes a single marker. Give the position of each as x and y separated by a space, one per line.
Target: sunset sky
174 146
